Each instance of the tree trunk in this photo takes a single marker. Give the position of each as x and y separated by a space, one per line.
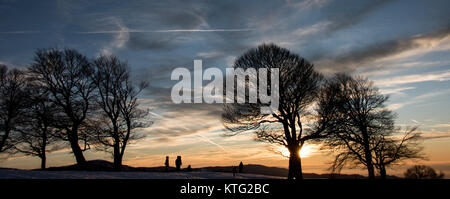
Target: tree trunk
77 152
121 150
3 141
383 172
4 138
43 161
295 164
43 150
370 167
368 154
117 163
117 156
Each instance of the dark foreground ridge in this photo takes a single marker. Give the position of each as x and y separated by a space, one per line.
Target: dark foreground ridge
103 165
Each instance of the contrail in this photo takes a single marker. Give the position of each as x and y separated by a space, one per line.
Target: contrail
136 31
20 32
156 114
164 31
213 143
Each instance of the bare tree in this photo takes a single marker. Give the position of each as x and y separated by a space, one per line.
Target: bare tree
37 133
299 85
361 117
422 172
13 101
117 98
391 150
65 75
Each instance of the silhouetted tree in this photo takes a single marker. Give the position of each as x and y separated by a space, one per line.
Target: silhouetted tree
299 85
65 75
422 172
241 167
13 102
189 168
390 150
117 98
360 118
36 131
178 163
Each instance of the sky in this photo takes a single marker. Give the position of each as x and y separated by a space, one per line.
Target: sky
401 45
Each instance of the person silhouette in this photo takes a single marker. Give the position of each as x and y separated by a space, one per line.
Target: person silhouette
167 163
178 163
241 167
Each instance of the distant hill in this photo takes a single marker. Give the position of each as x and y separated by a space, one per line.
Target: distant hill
282 172
103 165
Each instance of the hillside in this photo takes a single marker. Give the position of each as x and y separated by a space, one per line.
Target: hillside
102 169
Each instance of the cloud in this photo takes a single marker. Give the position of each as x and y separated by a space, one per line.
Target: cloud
338 16
419 99
435 135
416 78
441 125
341 16
178 120
308 4
415 121
313 29
395 90
380 69
209 54
306 34
120 38
163 31
20 32
389 50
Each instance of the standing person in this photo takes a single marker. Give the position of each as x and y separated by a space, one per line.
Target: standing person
241 167
167 163
178 163
234 171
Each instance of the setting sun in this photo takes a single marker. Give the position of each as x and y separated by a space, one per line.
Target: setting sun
305 152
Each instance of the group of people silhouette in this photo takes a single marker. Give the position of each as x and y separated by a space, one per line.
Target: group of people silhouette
178 164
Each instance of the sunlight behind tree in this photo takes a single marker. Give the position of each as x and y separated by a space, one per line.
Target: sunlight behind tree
306 151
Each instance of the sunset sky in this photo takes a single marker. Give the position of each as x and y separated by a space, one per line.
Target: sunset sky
403 46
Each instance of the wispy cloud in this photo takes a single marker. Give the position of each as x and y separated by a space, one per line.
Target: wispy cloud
20 32
344 16
209 54
415 121
8 64
419 99
441 125
400 90
435 134
312 29
390 50
381 68
308 4
162 31
121 37
416 78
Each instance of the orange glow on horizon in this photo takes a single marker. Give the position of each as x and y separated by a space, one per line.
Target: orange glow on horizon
306 151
